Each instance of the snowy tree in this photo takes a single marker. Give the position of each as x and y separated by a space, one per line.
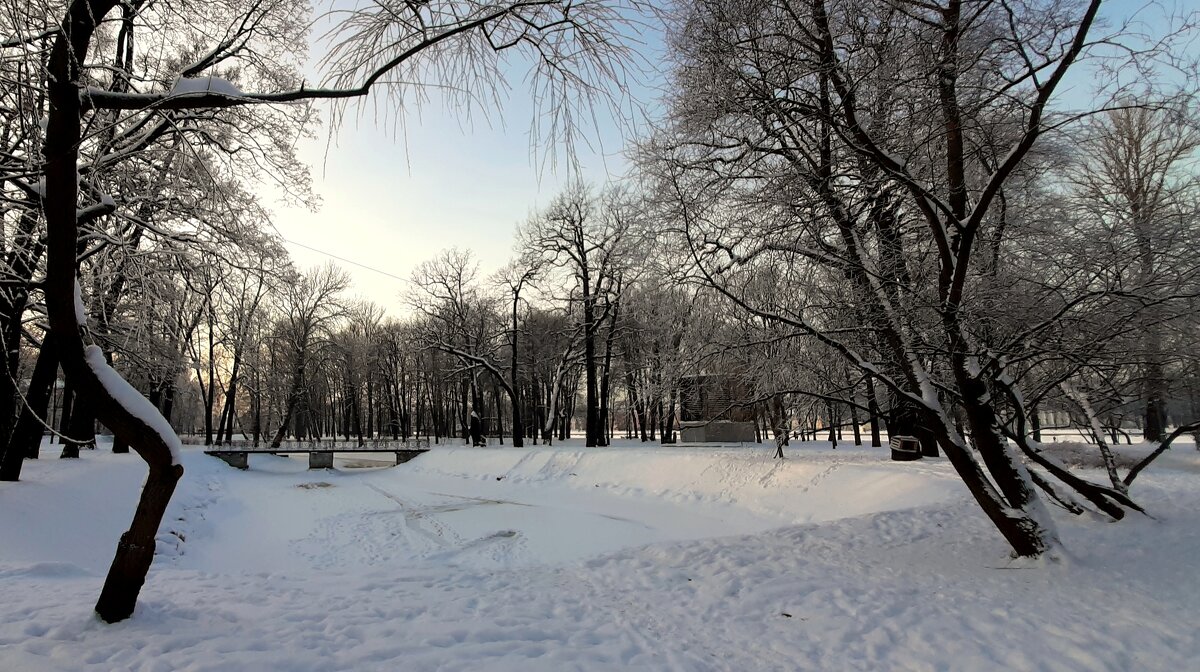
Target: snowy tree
866 148
574 47
463 322
310 308
1135 180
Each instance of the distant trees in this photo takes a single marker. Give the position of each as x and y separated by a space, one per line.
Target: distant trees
460 321
1134 179
310 309
588 237
663 324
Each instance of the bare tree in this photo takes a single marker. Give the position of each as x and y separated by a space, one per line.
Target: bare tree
1134 177
864 149
516 277
574 46
310 308
585 236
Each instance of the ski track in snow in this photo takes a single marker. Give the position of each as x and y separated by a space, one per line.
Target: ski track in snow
438 566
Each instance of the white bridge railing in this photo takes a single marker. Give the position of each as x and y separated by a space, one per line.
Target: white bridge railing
325 445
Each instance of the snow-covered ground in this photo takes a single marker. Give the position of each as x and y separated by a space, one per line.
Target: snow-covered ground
599 559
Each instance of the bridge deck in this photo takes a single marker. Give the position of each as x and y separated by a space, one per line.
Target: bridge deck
320 455
309 449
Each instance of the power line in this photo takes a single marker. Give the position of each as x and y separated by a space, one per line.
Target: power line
345 260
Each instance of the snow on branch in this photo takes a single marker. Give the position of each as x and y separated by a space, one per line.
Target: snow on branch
132 401
80 311
224 94
204 85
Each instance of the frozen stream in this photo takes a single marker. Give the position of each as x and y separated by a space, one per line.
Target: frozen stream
349 519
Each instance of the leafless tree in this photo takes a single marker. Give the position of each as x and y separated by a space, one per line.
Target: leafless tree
587 237
863 151
1136 179
573 48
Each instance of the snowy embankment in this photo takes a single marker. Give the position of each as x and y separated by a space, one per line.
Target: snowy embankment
812 487
573 559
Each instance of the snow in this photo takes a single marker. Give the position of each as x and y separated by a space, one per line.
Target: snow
203 85
80 310
128 397
588 559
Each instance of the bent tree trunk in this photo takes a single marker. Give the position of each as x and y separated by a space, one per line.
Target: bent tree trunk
1028 536
1011 503
109 399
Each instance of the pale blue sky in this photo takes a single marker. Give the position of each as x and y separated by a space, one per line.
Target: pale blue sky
395 195
390 202
392 199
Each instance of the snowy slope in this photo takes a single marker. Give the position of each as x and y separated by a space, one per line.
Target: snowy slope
681 559
816 485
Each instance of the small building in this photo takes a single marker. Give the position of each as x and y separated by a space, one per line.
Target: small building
715 409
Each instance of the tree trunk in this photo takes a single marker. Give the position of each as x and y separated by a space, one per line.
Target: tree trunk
779 426
591 384
518 425
499 428
476 419
1156 396
225 428
854 425
606 369
168 406
873 409
1016 510
64 416
288 412
27 434
62 137
668 430
832 428
135 551
21 263
257 402
211 398
371 414
1035 423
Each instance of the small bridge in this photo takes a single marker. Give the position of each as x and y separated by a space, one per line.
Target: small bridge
320 453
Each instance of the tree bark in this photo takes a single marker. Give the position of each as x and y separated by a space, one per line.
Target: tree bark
591 384
26 437
63 133
21 263
69 447
873 409
135 551
1035 423
518 426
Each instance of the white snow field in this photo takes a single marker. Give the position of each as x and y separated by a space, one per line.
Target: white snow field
565 558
